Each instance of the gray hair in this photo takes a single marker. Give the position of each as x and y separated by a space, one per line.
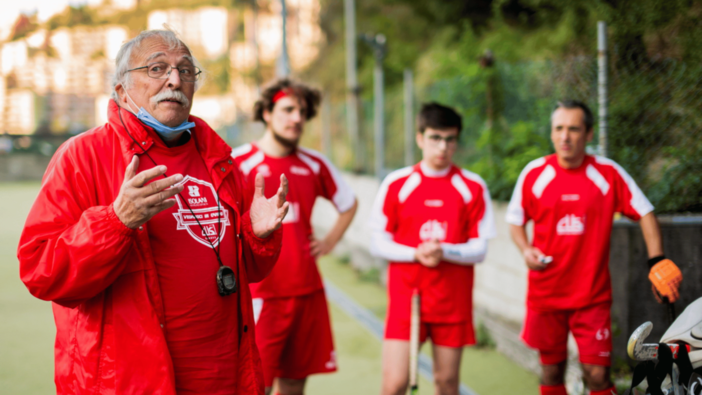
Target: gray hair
124 55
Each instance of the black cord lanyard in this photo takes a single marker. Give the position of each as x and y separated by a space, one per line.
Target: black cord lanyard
226 281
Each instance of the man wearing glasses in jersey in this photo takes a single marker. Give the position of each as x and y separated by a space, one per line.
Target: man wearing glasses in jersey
293 331
145 240
431 221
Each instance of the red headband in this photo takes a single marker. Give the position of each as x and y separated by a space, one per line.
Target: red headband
279 95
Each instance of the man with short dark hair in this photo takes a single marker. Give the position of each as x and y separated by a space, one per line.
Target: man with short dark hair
572 198
148 268
431 221
293 330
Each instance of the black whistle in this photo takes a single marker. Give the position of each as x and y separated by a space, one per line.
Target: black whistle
226 282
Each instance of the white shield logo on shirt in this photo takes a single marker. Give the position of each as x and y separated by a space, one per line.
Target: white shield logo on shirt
433 230
204 208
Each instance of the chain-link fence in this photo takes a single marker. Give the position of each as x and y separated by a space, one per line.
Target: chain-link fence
654 119
656 128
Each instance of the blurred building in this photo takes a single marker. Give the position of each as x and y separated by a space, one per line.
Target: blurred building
59 81
259 44
204 29
51 79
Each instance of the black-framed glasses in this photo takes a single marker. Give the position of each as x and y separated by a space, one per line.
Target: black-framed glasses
162 70
435 140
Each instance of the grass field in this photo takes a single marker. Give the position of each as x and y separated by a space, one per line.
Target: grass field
26 324
27 329
483 370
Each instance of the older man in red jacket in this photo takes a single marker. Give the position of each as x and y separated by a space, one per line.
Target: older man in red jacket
145 239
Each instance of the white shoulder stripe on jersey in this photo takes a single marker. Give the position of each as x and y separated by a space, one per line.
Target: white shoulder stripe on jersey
378 221
248 165
344 198
543 180
638 200
309 162
462 188
409 186
515 209
241 150
486 227
382 243
597 178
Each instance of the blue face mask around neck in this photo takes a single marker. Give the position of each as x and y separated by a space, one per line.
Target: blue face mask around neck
166 132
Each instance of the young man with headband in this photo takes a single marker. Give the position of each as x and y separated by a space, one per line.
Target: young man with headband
293 331
572 198
432 222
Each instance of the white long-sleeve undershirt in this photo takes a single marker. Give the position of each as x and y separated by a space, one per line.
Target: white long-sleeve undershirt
469 253
383 246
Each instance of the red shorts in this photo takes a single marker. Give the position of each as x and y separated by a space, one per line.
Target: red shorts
294 336
547 331
455 334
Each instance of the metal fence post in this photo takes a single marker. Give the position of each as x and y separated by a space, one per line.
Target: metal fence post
379 45
409 117
352 83
379 117
283 65
602 85
326 136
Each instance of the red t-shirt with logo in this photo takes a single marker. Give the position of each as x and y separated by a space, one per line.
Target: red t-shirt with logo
572 210
201 326
310 175
414 205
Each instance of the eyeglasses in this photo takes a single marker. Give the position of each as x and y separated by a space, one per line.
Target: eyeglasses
162 70
435 140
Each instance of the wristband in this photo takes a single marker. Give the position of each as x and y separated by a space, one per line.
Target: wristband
654 260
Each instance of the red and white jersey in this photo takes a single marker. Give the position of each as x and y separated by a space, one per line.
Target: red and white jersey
200 325
416 204
572 210
310 175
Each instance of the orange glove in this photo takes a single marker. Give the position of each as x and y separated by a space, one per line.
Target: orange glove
666 278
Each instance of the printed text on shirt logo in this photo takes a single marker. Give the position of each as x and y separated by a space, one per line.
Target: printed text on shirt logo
433 230
571 225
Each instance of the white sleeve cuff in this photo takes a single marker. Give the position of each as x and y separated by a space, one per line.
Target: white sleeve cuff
473 251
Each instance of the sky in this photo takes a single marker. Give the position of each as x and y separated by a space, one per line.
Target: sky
46 8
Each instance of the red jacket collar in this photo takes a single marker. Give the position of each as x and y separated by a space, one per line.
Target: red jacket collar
211 147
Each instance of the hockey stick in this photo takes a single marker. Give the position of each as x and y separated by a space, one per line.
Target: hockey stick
414 342
639 351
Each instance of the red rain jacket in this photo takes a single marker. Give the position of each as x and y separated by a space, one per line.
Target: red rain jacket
101 275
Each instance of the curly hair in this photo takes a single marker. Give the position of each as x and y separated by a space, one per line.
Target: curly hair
311 96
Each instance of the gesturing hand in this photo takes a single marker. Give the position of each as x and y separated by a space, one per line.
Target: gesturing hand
267 214
138 202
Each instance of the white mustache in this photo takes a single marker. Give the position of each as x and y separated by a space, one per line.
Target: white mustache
170 95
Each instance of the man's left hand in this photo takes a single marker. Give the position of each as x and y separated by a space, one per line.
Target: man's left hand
666 278
320 247
267 214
